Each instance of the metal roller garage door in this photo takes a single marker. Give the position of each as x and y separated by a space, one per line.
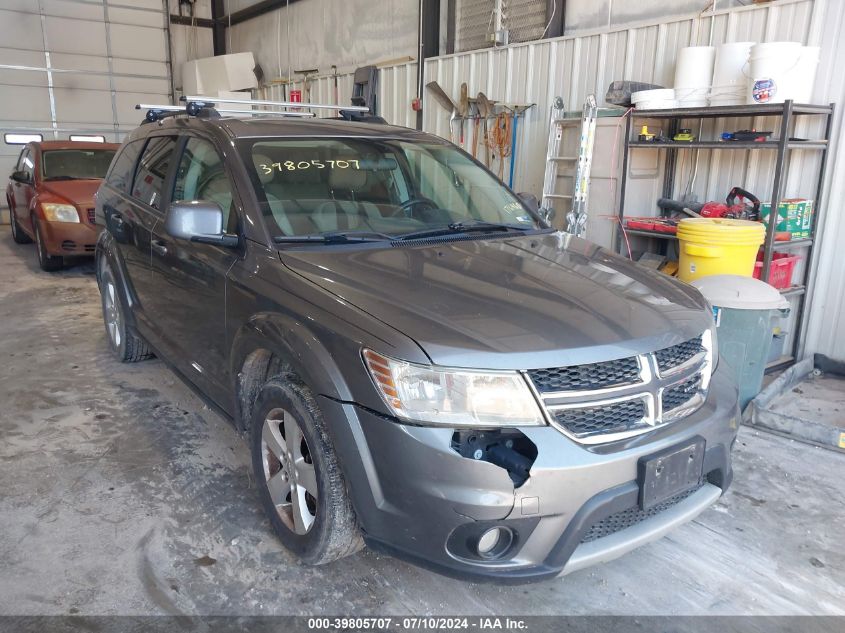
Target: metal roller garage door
78 67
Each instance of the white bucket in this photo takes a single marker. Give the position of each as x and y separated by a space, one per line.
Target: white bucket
806 71
657 99
694 68
692 97
731 59
661 104
728 95
657 94
775 72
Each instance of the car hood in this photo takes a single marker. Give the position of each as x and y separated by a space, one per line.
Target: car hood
508 303
79 192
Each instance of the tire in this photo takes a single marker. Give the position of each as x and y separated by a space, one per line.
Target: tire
48 263
319 528
126 345
17 235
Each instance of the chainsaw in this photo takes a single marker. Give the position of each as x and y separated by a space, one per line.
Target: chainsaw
739 204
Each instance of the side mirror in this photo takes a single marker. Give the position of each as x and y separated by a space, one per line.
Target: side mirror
547 214
198 221
530 200
21 177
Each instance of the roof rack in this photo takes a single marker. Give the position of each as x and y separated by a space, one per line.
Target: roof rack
205 109
277 104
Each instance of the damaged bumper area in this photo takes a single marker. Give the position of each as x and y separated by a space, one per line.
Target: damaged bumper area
528 503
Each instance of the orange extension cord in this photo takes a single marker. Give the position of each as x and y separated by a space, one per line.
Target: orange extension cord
501 139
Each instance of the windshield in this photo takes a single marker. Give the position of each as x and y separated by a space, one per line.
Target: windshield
75 164
389 188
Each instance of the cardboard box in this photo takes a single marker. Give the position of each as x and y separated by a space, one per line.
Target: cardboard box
209 75
794 215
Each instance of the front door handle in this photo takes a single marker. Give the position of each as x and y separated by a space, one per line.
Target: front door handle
159 247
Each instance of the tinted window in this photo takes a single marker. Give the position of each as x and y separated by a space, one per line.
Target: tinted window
201 176
152 170
75 164
123 166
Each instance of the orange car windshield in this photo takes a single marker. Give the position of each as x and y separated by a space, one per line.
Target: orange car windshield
75 164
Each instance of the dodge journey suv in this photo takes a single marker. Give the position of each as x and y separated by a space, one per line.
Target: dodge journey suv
420 362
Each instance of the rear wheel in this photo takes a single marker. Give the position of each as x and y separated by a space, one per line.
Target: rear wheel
126 345
17 235
48 262
300 483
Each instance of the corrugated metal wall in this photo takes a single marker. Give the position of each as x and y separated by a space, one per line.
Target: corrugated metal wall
574 66
826 322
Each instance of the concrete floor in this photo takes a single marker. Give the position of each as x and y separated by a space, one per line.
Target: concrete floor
123 494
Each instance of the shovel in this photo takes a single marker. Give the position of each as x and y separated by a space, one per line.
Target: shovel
463 109
485 109
444 100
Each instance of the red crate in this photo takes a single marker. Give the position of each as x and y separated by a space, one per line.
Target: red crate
780 271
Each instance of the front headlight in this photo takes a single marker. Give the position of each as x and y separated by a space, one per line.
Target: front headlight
56 212
452 397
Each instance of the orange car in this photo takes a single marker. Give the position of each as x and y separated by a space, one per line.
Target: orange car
51 197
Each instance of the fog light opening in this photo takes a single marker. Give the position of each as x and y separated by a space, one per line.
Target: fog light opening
493 542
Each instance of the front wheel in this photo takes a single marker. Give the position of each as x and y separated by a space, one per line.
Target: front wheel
49 263
300 483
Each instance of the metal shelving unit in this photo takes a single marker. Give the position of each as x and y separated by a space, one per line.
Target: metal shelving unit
782 146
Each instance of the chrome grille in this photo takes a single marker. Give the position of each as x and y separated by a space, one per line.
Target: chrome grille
616 417
603 402
630 517
679 395
671 357
625 371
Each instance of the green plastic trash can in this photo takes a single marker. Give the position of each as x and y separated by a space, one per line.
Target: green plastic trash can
744 310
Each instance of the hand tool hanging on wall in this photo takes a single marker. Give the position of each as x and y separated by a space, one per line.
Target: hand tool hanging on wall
576 219
485 111
463 109
476 124
446 102
515 122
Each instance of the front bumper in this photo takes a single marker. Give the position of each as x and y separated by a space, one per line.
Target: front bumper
69 238
416 497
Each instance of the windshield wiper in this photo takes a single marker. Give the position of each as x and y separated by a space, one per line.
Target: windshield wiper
335 237
465 227
67 178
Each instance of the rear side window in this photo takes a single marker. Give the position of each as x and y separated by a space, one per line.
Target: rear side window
148 184
123 166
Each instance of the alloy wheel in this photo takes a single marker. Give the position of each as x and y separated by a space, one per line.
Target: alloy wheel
111 314
289 471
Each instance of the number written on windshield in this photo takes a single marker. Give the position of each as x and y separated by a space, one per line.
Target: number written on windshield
290 165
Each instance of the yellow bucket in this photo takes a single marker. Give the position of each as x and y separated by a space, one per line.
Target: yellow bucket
718 246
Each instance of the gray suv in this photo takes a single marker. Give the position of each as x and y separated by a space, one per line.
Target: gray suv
418 360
